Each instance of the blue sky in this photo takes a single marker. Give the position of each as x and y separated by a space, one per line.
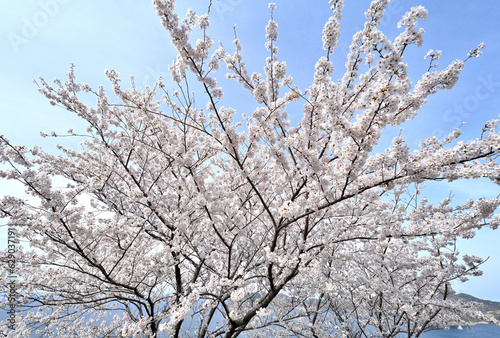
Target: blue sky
42 37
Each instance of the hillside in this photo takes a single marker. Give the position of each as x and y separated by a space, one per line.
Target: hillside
490 308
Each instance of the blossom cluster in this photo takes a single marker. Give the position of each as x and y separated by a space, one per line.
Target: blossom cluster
190 218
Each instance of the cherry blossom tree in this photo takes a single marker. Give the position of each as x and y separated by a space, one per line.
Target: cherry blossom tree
198 221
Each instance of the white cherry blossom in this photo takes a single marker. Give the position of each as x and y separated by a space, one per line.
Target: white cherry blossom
180 215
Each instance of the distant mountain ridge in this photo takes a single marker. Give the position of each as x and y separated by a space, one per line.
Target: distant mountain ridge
490 308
